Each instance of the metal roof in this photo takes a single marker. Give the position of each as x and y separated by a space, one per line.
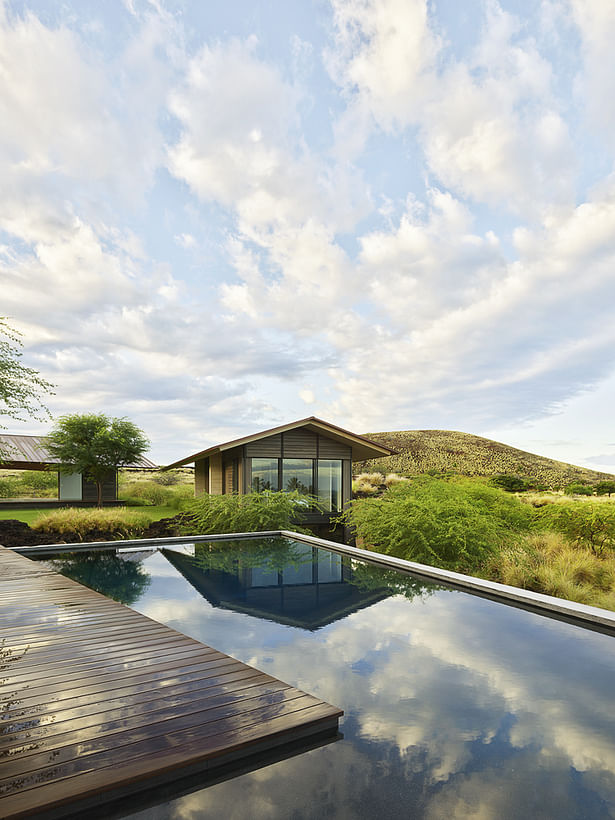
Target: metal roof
24 451
362 447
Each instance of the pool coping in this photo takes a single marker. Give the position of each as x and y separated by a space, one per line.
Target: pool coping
535 601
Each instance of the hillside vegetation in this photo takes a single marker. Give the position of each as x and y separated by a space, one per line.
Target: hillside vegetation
446 451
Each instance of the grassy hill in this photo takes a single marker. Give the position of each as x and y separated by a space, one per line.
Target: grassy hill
423 451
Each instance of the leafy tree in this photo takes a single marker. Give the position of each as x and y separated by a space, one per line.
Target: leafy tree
588 525
20 386
95 445
605 488
510 483
577 488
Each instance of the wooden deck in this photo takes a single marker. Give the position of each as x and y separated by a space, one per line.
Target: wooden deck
98 701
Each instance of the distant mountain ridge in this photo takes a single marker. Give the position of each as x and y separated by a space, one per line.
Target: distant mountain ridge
422 451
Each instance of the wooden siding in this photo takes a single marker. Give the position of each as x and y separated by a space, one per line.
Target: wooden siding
299 443
270 447
215 474
201 476
101 701
228 477
346 481
329 448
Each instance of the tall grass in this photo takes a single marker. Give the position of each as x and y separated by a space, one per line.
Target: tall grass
139 493
118 521
547 562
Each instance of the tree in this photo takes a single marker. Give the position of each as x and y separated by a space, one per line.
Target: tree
577 488
95 445
605 488
20 386
587 525
510 483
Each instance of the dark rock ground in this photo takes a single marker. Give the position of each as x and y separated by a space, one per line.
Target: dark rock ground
14 533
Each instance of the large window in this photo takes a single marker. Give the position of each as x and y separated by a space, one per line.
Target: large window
330 484
297 474
264 474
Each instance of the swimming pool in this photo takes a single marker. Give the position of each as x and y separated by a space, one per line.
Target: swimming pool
455 705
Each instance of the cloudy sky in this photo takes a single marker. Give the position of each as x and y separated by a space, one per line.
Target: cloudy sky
393 214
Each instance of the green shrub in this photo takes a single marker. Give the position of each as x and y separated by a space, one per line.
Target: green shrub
168 478
149 491
256 512
586 524
9 486
605 488
578 489
82 521
133 501
183 495
510 483
453 524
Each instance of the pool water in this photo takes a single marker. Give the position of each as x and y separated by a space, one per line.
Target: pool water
455 706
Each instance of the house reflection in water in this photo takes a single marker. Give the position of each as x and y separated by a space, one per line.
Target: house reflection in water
297 585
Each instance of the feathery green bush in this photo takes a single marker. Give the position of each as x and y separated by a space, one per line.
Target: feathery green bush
256 512
452 524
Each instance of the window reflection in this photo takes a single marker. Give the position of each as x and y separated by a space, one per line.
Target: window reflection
330 484
264 474
297 475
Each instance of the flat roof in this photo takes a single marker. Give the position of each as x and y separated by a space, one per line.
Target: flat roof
362 447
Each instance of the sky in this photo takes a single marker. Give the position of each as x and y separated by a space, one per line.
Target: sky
391 214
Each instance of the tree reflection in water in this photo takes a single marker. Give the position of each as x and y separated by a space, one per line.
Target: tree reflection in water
105 572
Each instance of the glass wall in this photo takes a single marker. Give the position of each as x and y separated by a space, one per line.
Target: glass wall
330 484
264 474
297 474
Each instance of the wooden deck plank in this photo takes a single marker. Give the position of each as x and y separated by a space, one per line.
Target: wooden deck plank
97 699
90 725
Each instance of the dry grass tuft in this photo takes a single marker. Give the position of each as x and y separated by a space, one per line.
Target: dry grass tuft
547 562
121 522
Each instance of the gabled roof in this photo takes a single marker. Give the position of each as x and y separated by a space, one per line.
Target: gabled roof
30 452
362 447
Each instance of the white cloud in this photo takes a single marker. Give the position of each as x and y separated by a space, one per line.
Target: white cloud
307 395
453 308
70 113
384 54
490 127
402 241
185 240
595 20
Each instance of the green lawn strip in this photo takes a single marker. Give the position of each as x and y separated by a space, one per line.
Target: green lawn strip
27 516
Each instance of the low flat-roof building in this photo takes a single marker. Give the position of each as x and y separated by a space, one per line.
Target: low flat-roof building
30 453
309 455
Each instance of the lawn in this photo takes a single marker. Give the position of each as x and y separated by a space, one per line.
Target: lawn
154 513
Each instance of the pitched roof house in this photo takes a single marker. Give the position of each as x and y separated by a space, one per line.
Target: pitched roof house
310 455
30 453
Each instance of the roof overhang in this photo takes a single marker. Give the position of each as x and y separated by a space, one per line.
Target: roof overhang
362 447
22 452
